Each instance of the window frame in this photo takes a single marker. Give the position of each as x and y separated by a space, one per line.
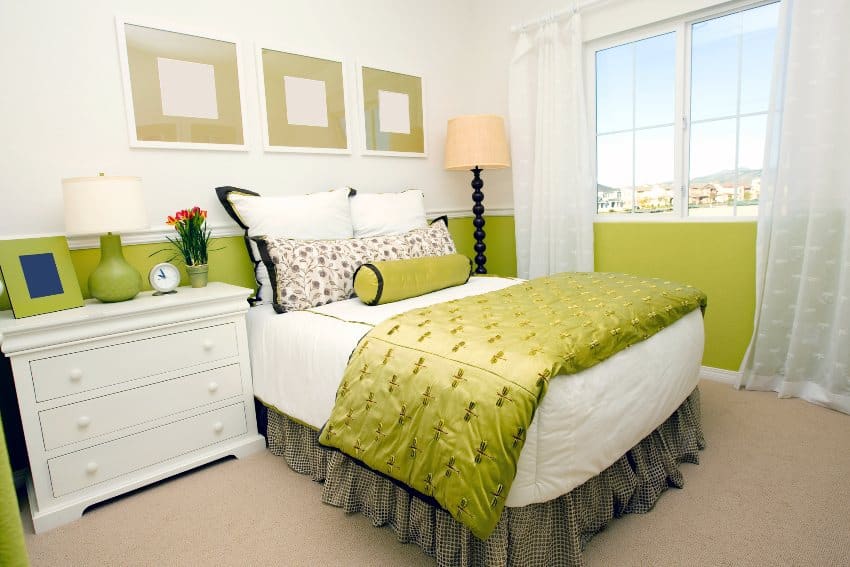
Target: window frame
682 27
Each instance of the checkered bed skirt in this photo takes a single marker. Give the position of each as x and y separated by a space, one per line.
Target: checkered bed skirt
549 533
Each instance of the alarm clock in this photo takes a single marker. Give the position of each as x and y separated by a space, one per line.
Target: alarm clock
164 278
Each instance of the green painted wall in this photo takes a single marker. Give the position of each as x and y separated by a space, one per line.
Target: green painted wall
228 263
229 260
501 245
717 257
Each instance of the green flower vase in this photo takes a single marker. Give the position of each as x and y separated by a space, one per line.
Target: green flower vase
198 275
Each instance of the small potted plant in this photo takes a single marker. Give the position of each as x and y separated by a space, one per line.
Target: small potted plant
192 242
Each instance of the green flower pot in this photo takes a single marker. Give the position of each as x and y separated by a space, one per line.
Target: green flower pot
198 275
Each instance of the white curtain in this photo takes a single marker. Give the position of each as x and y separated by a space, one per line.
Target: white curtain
552 182
801 345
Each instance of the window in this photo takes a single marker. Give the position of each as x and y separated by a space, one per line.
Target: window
681 114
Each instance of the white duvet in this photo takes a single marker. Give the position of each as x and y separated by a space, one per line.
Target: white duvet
585 422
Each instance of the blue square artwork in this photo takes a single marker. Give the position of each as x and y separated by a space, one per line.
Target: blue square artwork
41 275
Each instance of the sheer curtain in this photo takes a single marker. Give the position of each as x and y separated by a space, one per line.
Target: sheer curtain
552 182
801 346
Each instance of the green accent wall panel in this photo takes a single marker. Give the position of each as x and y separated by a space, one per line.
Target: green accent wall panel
719 258
228 262
500 241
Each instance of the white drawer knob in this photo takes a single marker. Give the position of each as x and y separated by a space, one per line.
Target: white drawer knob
91 468
83 421
208 345
212 387
75 374
218 427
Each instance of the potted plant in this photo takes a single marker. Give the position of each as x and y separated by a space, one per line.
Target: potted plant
192 242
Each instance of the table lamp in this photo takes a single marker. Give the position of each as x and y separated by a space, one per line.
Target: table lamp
107 204
477 142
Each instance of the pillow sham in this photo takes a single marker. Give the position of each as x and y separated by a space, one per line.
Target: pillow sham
376 283
309 273
376 214
324 215
433 240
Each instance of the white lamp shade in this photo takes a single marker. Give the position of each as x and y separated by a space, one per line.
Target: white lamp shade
477 141
96 205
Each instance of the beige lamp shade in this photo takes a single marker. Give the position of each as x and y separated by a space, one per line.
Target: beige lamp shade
96 205
477 141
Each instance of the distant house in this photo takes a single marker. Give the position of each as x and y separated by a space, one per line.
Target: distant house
655 198
702 195
609 199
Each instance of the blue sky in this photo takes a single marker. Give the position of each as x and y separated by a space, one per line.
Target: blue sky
636 85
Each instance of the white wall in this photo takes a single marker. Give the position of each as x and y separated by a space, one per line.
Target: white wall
62 106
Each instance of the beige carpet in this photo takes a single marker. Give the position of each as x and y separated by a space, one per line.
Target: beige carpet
773 488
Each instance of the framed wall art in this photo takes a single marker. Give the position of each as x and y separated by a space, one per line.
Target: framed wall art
39 275
181 90
302 101
392 112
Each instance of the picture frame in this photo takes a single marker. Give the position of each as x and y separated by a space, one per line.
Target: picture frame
39 275
303 102
392 112
182 89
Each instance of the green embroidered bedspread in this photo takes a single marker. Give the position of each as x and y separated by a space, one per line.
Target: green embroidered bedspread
440 397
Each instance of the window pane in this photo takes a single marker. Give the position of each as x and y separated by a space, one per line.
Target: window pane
751 151
759 27
750 157
614 79
614 173
714 67
655 75
654 156
654 170
711 190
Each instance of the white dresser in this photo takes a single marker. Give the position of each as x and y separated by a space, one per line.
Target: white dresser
116 396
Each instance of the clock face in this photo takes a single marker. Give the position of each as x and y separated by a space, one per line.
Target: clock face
164 277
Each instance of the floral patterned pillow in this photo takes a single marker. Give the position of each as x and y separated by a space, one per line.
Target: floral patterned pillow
433 240
309 273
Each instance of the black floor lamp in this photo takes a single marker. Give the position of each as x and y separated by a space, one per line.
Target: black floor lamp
476 143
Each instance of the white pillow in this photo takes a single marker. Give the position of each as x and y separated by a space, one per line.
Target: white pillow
315 216
379 214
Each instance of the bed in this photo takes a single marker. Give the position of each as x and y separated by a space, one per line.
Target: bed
604 441
623 424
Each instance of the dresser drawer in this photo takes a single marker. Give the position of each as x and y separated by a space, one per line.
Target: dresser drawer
84 370
84 420
81 469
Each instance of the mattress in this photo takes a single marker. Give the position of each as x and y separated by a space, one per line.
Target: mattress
585 422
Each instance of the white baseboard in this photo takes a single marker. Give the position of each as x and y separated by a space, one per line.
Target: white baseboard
731 377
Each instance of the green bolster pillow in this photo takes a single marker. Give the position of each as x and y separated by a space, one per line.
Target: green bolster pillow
384 282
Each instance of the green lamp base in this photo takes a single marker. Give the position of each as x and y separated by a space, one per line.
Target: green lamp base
114 279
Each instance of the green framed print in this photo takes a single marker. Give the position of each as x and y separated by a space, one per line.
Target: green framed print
39 275
392 112
181 90
302 100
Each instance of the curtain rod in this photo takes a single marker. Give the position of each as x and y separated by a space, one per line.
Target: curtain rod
559 15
